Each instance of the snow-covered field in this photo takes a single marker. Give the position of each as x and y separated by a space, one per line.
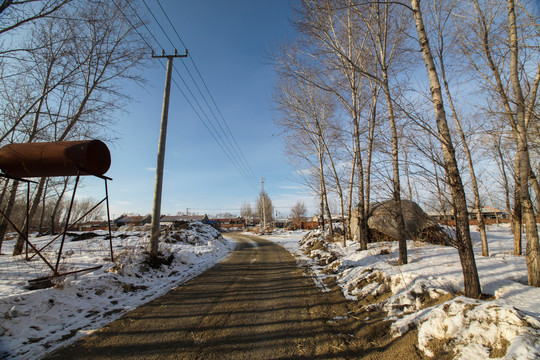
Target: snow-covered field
34 322
506 326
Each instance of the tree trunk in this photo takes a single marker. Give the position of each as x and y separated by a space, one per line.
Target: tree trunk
43 205
517 216
336 177
324 191
19 245
350 202
402 240
329 215
517 225
439 192
506 185
407 175
57 205
477 203
321 206
9 208
2 219
533 248
362 229
463 237
536 187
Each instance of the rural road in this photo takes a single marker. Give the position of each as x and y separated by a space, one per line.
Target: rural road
256 304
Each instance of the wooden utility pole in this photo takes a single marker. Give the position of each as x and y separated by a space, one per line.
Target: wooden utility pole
156 209
263 204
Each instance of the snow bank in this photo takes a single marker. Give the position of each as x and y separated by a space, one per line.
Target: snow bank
475 329
424 293
35 322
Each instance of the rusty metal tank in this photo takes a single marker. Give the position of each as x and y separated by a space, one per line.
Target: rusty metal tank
63 158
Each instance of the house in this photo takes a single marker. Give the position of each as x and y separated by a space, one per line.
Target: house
132 220
215 224
305 223
93 225
171 219
231 223
335 218
439 216
487 213
282 223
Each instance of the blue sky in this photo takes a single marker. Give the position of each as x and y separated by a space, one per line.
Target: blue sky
228 41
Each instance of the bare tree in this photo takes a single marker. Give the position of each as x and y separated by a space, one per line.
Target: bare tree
463 237
15 13
330 33
507 64
245 211
265 209
442 16
307 112
298 211
386 24
77 60
523 115
82 210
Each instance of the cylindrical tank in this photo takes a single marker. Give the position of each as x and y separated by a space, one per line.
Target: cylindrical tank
63 158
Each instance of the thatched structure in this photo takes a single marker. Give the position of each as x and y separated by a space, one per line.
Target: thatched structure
383 225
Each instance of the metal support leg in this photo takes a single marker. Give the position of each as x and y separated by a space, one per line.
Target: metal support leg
26 232
109 220
66 225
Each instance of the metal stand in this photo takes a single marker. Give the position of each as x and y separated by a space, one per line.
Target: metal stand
67 227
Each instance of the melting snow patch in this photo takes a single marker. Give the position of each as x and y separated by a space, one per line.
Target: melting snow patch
474 329
507 327
35 322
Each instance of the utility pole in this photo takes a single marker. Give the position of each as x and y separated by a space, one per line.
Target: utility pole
263 204
156 209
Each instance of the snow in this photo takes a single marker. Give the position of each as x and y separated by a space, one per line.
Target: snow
424 294
34 322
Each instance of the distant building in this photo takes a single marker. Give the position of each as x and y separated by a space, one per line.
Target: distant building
134 220
439 216
282 223
487 213
93 225
231 223
335 218
171 219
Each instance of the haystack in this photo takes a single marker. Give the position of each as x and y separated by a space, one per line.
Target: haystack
418 225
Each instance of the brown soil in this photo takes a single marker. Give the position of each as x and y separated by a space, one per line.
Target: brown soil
256 304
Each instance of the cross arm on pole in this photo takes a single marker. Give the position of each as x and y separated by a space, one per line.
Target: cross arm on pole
175 55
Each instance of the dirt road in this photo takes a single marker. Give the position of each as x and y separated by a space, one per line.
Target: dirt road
257 304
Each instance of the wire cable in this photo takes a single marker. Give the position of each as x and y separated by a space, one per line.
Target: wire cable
243 158
142 22
221 138
234 144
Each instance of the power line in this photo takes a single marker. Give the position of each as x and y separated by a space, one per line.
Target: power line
142 22
133 26
159 24
230 135
170 22
215 134
230 151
